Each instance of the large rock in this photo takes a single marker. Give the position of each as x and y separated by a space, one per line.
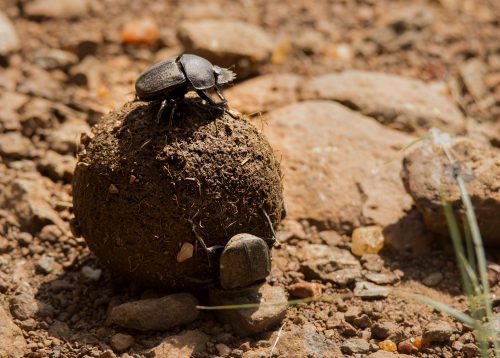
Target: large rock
186 344
227 43
427 173
264 93
271 303
401 103
9 41
340 168
156 313
12 342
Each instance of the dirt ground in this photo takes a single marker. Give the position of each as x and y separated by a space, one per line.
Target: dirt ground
57 292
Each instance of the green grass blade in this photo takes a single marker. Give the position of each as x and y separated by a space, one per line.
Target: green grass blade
415 141
469 244
443 307
456 239
478 244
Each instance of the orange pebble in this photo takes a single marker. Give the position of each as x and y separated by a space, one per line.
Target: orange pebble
418 342
405 347
388 346
140 32
305 289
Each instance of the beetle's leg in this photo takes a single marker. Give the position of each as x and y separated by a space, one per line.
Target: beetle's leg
160 111
173 102
204 95
219 93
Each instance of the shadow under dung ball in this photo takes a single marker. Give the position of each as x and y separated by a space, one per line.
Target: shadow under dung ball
143 190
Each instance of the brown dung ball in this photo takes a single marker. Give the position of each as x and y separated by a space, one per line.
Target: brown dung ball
149 196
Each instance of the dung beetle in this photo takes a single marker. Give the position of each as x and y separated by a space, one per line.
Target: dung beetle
169 80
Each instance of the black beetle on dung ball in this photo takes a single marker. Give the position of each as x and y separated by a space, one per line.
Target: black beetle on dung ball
171 79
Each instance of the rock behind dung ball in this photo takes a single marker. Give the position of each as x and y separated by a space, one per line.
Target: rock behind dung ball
143 190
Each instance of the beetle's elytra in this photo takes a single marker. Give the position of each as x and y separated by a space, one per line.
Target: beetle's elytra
171 79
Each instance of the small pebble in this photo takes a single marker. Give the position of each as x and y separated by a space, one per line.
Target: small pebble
405 347
121 342
305 289
367 240
388 346
140 32
45 264
91 273
223 350
186 252
433 279
470 350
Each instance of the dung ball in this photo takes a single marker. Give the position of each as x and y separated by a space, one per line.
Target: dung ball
150 197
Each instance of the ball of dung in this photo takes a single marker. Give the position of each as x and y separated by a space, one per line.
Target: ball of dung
149 197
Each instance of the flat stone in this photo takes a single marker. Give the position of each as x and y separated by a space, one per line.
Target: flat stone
14 145
384 329
437 331
304 342
9 41
186 344
156 313
330 237
341 277
227 43
427 173
272 301
369 290
355 346
402 103
264 93
381 278
339 257
12 342
337 175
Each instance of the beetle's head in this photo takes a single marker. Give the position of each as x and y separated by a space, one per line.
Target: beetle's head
223 75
